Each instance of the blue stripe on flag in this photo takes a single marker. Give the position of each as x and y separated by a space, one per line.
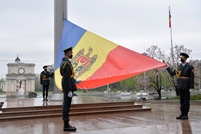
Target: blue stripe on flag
70 36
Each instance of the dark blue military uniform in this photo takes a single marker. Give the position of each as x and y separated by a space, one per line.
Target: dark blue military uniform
45 82
68 84
185 81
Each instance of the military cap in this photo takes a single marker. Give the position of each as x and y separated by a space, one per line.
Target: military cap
67 49
184 54
44 67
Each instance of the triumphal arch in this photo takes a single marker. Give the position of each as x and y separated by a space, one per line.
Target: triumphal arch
20 79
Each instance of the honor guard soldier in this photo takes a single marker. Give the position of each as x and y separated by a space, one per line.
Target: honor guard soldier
185 82
68 85
45 82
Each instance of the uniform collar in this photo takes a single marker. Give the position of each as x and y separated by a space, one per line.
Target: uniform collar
183 64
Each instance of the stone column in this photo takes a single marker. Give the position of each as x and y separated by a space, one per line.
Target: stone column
60 13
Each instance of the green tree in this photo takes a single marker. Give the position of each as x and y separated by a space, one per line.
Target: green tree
38 87
2 80
128 84
115 86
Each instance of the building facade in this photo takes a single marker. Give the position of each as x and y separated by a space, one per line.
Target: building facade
20 78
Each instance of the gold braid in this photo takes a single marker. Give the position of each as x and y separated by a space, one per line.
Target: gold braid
178 73
73 73
71 67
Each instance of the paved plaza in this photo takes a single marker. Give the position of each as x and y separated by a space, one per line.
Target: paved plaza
161 120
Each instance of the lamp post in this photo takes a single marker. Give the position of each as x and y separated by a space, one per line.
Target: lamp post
144 79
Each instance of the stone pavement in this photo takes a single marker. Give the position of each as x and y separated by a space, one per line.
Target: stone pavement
161 120
12 102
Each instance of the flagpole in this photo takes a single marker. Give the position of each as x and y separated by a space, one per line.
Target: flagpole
170 26
60 13
172 52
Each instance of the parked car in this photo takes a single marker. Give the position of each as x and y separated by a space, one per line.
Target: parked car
142 94
153 93
125 94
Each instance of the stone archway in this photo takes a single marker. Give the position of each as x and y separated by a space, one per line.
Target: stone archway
20 79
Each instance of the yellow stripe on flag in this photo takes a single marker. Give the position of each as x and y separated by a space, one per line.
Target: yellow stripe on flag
58 78
94 45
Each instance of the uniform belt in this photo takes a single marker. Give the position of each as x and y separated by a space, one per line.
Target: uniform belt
183 77
46 79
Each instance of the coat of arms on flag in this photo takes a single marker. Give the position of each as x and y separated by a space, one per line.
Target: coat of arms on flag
82 63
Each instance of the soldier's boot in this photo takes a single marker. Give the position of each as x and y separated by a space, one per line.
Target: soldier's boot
46 99
180 116
43 98
185 116
68 127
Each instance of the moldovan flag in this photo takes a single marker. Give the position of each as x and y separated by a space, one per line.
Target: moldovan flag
97 61
170 25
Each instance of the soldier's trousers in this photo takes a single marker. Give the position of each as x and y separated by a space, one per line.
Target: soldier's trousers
45 91
66 106
184 100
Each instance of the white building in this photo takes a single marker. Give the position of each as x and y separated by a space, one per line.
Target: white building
20 78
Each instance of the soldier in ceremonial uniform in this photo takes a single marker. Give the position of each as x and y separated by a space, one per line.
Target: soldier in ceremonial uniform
185 82
45 82
68 85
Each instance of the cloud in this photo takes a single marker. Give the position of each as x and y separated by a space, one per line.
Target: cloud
27 26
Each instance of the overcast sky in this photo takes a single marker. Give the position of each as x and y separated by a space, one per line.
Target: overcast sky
27 26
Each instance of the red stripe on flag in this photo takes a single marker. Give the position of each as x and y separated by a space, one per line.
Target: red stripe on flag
121 63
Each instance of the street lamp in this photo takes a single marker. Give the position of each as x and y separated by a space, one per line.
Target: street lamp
145 88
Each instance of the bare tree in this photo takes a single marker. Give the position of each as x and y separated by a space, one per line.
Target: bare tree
156 53
156 81
141 81
155 76
176 55
158 77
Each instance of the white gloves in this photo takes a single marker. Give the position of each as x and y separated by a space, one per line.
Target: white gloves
190 90
78 81
70 94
